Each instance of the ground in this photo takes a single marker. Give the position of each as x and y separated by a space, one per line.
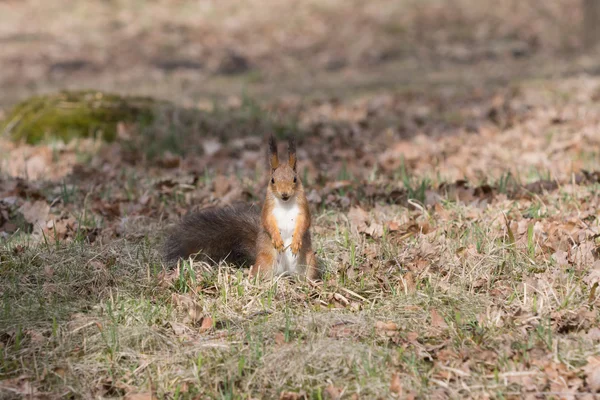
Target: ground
453 177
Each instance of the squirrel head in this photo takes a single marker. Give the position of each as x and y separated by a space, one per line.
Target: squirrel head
284 179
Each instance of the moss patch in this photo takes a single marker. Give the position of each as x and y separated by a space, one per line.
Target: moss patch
68 115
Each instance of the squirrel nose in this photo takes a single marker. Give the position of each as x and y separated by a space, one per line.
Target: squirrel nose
285 196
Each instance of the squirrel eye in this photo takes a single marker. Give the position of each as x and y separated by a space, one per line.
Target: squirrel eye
294 179
273 180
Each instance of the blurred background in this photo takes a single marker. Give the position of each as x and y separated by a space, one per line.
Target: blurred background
187 51
178 78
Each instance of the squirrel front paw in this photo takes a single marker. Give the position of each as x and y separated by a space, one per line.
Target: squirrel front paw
278 244
296 246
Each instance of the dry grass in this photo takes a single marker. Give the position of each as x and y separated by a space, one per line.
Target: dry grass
473 313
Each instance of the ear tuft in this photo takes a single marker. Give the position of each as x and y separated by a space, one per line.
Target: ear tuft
292 152
273 159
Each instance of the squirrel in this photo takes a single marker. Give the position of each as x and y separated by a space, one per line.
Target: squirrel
274 241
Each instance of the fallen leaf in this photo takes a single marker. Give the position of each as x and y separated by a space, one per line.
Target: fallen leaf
36 337
207 324
343 301
333 392
35 213
594 275
396 384
374 230
60 372
412 336
48 271
221 185
358 219
561 258
437 320
20 386
594 334
340 331
393 226
292 396
314 197
592 372
386 326
195 313
279 338
178 329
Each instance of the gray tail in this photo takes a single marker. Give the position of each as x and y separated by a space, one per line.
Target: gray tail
228 233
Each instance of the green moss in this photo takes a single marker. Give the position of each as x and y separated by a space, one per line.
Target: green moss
161 126
68 115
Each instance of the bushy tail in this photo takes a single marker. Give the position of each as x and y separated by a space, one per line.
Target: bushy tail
227 233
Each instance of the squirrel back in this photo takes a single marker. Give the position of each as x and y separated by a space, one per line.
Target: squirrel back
228 233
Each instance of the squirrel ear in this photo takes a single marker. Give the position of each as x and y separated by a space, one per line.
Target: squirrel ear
292 153
273 159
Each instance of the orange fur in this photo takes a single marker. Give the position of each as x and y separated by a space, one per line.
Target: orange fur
284 185
269 224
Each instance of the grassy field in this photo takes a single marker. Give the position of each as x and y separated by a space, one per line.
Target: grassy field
455 214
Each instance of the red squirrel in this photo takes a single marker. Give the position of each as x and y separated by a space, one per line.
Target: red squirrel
275 241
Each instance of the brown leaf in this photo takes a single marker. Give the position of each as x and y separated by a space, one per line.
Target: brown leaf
412 336
408 282
36 337
594 275
561 258
358 219
343 301
374 230
60 372
338 184
48 271
166 279
314 197
437 320
279 338
333 392
35 213
396 384
178 329
292 396
207 324
340 331
20 385
195 313
594 334
592 372
386 326
404 151
393 226
221 185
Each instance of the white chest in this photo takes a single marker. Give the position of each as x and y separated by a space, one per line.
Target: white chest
286 214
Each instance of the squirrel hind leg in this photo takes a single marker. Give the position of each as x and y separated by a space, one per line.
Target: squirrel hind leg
312 266
265 258
263 266
312 271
